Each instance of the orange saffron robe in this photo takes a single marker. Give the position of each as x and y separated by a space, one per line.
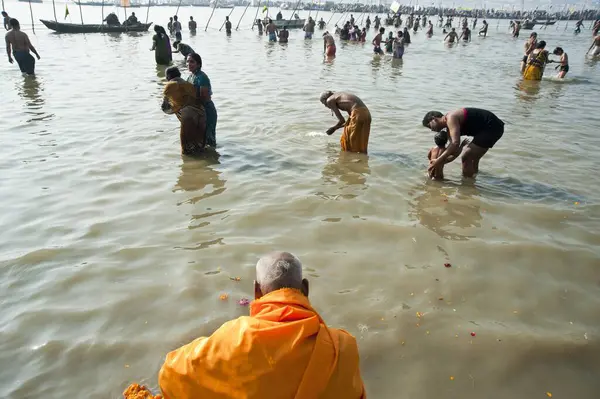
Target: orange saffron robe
283 350
356 131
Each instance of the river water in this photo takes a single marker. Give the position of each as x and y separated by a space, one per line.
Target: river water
114 249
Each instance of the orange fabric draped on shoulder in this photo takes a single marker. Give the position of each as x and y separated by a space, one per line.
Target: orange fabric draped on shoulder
282 350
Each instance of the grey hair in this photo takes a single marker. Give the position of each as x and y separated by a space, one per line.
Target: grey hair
278 270
325 95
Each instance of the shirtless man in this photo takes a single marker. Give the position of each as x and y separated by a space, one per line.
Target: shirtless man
192 25
451 36
183 49
466 34
227 26
430 29
284 34
596 46
484 29
377 42
358 126
516 29
529 46
485 128
19 43
328 45
272 31
596 28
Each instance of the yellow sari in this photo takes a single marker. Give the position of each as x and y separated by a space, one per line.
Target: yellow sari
535 66
180 99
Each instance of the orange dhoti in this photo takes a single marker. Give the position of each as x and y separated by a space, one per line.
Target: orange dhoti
356 131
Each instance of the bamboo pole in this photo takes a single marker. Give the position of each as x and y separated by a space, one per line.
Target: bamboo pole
53 9
103 11
244 13
256 16
295 8
317 14
125 11
3 8
32 25
80 13
147 10
228 16
177 11
211 15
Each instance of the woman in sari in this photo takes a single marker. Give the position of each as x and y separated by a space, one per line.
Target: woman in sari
161 46
204 93
180 99
536 63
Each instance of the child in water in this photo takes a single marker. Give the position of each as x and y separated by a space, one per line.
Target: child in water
389 43
563 66
440 139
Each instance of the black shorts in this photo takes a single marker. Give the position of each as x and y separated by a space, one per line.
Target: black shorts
525 58
564 68
488 137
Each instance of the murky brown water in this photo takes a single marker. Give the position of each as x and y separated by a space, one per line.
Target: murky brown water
114 249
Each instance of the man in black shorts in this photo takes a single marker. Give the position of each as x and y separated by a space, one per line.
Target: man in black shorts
485 128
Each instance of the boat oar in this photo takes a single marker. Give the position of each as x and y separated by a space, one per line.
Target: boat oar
32 25
228 16
211 15
244 13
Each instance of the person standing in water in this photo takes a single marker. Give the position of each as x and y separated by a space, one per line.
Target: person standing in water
466 34
6 20
20 45
351 20
272 31
170 26
536 62
389 43
321 24
516 29
161 45
204 94
377 42
596 46
227 26
430 29
406 36
451 36
529 46
357 128
192 26
309 28
180 99
484 29
399 45
368 23
485 128
578 26
259 25
284 34
328 45
177 28
563 66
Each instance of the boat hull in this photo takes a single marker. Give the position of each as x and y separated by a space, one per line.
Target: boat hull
289 23
79 28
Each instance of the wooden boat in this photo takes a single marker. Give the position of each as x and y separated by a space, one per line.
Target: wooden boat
91 28
33 1
528 25
289 23
90 3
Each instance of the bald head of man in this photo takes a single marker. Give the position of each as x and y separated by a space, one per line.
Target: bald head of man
279 270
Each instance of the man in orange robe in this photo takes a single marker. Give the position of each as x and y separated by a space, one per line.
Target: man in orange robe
283 350
357 127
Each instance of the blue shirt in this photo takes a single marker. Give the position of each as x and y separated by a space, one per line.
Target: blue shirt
200 79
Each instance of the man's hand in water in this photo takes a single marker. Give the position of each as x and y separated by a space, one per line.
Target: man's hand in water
432 166
331 130
38 56
10 59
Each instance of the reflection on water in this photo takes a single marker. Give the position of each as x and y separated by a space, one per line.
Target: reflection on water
528 90
30 89
446 209
199 173
345 167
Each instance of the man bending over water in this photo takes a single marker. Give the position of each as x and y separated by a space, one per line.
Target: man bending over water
358 126
485 128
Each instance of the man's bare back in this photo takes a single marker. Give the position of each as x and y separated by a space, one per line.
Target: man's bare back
18 40
346 101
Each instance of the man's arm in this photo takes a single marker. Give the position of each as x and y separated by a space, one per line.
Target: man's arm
33 50
8 48
452 149
332 104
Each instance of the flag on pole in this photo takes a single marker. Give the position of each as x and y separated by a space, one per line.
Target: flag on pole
66 11
265 8
395 7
